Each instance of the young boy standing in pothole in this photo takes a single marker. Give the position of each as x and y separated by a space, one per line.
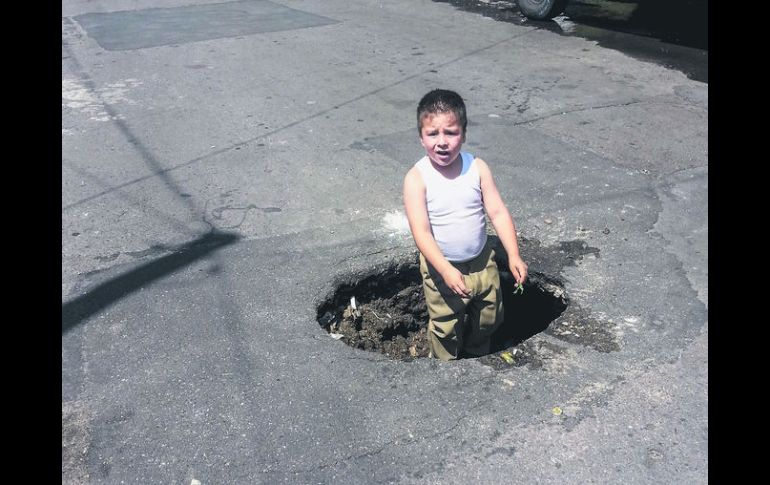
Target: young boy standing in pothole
446 195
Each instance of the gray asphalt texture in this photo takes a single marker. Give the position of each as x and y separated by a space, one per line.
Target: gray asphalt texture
220 177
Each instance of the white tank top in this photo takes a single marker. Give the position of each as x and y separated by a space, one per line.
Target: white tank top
455 209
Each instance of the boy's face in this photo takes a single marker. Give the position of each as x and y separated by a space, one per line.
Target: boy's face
441 134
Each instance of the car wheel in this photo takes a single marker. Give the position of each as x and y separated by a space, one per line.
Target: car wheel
542 9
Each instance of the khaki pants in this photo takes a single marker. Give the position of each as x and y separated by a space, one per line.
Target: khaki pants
463 324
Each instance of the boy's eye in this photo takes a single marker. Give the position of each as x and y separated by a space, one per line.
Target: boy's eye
446 133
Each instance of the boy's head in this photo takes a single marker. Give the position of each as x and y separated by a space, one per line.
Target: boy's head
441 122
441 101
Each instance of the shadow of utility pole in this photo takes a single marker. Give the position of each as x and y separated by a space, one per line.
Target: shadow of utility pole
75 311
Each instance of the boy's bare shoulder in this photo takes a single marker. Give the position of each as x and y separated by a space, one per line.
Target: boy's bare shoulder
413 176
481 165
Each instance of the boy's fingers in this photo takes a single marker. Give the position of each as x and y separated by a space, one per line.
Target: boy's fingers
522 274
461 289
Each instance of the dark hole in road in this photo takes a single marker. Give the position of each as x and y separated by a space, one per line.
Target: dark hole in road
391 316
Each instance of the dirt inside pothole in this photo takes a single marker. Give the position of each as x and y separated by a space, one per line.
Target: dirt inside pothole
390 314
386 312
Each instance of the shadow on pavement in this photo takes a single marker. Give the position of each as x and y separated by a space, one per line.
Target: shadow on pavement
75 311
681 22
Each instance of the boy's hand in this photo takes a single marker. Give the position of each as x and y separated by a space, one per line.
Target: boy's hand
519 270
455 281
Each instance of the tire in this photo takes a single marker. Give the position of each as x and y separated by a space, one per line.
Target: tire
542 9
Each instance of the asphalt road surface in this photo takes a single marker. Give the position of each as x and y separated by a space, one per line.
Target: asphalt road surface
226 166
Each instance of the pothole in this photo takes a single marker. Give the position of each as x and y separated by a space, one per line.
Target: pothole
386 312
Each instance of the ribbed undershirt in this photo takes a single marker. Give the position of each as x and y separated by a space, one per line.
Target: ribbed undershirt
455 209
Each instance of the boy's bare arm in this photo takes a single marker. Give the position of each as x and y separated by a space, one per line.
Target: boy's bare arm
419 224
502 222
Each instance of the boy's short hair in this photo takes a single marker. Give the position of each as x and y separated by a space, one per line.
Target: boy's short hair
441 101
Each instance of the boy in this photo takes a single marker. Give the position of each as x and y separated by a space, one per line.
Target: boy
446 194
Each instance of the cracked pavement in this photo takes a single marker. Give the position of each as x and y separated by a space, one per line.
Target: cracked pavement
216 188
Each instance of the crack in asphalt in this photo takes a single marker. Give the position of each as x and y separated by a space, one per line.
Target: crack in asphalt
577 110
373 253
